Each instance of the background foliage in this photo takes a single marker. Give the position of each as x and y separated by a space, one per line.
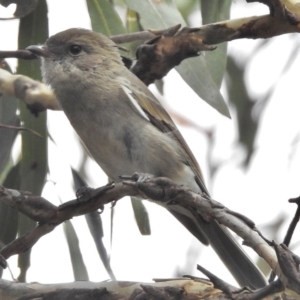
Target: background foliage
26 161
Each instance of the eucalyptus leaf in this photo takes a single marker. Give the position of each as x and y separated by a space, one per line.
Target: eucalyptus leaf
132 25
8 116
9 215
94 222
164 14
202 83
186 7
157 14
243 103
24 7
141 216
213 11
33 29
6 3
104 17
79 268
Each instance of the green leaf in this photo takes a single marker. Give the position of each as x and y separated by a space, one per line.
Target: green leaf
132 21
104 17
245 105
157 14
33 29
24 7
141 216
186 7
8 215
94 222
163 14
202 83
8 116
213 11
132 25
79 268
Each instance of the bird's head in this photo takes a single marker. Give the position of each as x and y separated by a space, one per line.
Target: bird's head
76 53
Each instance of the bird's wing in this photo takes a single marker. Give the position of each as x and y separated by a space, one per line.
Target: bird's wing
159 117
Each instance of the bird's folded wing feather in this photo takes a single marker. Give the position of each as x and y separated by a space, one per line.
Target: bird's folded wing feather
159 117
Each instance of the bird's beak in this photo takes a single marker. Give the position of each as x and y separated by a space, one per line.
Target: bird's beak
39 50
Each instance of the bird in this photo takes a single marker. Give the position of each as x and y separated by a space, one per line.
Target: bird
126 130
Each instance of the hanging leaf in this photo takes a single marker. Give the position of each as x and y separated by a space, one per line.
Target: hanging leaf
24 7
8 215
141 216
163 14
94 222
8 106
8 116
104 17
33 29
79 268
213 11
243 103
187 7
132 25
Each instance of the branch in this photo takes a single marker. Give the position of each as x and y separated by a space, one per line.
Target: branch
284 18
4 126
35 94
156 57
164 289
160 190
187 289
49 216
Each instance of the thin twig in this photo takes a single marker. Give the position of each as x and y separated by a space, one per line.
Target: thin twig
23 54
132 37
20 128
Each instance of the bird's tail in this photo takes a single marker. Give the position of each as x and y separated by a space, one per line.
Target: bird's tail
230 252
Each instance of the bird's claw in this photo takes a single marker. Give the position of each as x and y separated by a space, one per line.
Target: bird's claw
137 177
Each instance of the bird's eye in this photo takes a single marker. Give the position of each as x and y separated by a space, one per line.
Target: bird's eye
75 50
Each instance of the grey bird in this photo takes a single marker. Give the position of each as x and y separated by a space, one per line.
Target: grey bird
126 130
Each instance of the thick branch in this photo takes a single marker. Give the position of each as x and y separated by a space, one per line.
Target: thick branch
183 289
174 289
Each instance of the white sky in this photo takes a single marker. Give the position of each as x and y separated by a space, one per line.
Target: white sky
261 192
